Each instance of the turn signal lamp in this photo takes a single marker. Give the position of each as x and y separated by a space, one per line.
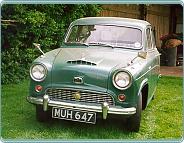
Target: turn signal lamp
38 88
121 97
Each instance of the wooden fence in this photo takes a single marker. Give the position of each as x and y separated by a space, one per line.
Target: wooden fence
158 16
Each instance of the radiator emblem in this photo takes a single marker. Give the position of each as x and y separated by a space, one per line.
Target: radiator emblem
77 96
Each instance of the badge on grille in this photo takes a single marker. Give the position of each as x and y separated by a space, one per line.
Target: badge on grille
77 96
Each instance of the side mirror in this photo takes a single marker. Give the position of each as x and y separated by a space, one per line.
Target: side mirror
38 46
140 55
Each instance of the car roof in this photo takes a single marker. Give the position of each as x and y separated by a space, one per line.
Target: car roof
112 21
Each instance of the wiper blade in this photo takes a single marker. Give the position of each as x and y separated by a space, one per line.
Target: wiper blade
77 43
101 44
86 44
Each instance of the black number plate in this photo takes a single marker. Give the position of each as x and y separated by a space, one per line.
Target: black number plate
74 115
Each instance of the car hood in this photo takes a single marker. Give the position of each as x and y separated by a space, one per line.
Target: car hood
92 65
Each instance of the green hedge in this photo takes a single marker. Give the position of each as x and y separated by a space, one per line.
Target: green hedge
40 23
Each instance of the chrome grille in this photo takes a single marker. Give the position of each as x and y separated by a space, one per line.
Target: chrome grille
85 96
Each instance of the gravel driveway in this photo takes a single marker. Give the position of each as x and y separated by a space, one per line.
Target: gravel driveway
172 71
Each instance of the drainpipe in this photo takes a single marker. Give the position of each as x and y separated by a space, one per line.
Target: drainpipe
173 20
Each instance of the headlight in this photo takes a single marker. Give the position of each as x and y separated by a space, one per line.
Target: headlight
121 80
38 72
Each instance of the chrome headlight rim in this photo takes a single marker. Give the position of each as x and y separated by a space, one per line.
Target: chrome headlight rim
31 75
115 84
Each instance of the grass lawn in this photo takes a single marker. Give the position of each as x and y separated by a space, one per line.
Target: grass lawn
163 118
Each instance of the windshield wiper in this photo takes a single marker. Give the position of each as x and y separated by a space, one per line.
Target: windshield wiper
77 43
101 44
86 44
92 43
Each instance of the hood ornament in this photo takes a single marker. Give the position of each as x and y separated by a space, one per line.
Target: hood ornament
82 56
38 46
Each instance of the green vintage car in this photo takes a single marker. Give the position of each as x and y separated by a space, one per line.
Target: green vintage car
106 66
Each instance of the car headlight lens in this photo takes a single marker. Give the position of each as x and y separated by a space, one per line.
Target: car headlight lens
38 72
121 79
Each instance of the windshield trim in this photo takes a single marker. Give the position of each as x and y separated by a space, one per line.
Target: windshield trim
101 24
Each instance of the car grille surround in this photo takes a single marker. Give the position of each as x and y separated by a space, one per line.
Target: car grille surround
85 96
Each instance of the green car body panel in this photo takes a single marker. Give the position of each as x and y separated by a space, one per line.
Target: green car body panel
102 63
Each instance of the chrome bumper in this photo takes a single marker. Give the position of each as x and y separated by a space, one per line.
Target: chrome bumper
104 108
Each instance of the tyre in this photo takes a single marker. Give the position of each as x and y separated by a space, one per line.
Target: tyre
42 116
153 97
133 123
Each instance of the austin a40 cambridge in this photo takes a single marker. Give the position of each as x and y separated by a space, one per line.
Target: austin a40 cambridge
106 66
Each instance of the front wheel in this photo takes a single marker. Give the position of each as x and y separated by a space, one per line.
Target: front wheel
133 123
153 97
42 116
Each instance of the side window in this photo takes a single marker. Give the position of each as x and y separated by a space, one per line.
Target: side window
153 38
148 33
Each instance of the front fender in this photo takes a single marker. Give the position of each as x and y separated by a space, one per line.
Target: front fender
47 61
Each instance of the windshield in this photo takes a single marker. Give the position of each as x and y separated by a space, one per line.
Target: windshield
115 36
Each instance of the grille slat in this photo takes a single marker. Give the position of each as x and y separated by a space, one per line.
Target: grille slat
86 96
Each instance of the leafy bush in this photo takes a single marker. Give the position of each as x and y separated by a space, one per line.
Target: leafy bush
40 23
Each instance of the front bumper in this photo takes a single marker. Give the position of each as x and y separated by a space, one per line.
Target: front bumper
104 108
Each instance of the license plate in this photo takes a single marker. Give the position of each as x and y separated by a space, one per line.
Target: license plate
74 115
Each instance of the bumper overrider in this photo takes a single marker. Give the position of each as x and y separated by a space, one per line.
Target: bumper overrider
105 108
